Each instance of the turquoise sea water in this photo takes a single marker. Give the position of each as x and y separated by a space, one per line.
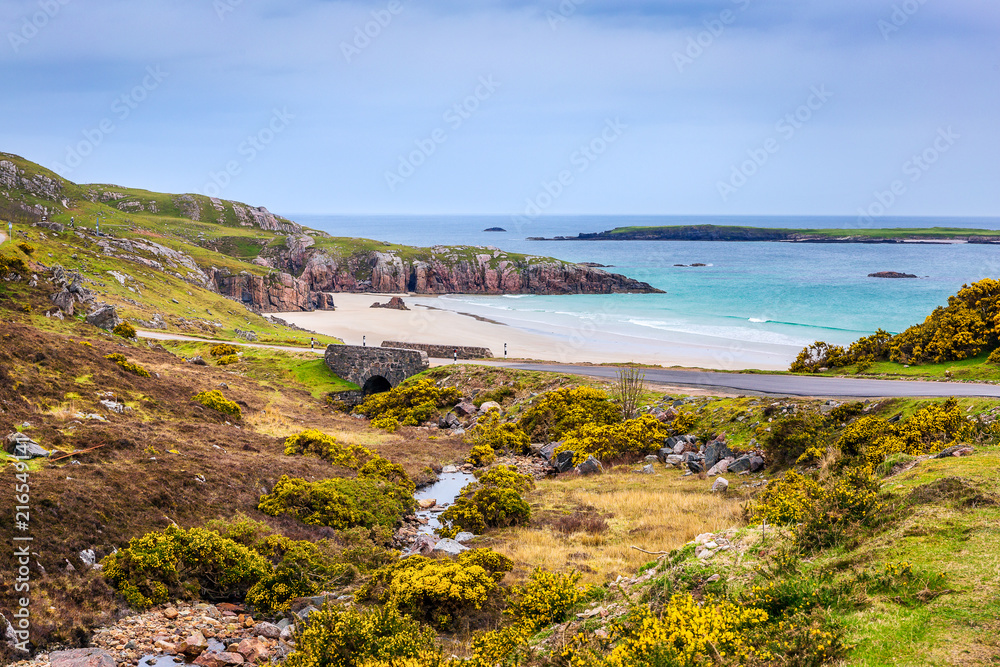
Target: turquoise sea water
771 294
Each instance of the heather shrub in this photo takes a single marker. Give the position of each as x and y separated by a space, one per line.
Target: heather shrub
216 401
555 413
409 404
124 329
128 366
379 637
339 503
635 437
223 350
175 563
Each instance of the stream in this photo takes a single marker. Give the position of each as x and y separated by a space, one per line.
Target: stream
444 491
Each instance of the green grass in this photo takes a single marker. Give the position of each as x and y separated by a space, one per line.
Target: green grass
974 368
273 368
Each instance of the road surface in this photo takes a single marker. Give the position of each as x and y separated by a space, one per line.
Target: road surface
782 385
786 385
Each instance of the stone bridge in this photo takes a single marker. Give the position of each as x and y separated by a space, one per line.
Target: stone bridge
375 369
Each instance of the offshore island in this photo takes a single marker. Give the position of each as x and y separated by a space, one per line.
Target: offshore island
737 233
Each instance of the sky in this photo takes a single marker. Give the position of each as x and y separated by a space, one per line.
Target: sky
687 107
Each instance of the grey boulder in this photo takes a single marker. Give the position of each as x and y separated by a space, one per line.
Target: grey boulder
105 317
590 466
564 461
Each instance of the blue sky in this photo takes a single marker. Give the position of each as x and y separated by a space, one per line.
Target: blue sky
572 107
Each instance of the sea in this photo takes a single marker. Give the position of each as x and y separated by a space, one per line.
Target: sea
779 295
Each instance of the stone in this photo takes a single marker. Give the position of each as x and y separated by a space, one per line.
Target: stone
89 558
954 450
674 460
219 659
449 547
489 405
198 361
715 451
21 446
647 470
447 470
423 545
193 645
663 453
465 536
375 368
741 464
714 578
652 458
756 463
465 409
254 649
426 503
287 632
81 657
590 467
450 420
680 447
695 466
721 485
395 303
564 461
547 450
265 629
105 317
64 301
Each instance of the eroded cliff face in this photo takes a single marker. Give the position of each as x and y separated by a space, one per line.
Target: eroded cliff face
274 293
485 273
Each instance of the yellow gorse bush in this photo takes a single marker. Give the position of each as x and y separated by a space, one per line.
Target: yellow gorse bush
642 435
555 413
409 404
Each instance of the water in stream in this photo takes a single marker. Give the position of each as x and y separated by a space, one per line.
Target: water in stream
444 491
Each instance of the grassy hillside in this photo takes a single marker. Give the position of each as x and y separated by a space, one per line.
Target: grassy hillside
738 233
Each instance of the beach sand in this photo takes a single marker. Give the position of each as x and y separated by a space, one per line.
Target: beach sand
428 321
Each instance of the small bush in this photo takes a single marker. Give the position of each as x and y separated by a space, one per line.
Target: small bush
790 438
26 248
216 401
499 437
378 468
303 569
546 598
15 265
380 637
223 350
494 501
175 563
604 442
316 443
437 590
125 330
128 366
338 503
481 455
408 404
555 413
227 360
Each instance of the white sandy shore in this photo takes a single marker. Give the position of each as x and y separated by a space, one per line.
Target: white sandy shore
427 321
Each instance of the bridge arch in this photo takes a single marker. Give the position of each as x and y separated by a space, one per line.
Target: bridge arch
375 369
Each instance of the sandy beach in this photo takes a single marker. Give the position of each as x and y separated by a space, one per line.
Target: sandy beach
430 321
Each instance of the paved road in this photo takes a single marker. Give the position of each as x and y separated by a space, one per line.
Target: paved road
787 385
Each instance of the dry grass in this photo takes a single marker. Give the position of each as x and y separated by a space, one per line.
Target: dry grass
653 512
270 421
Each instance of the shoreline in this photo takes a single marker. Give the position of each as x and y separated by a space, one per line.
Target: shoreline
429 320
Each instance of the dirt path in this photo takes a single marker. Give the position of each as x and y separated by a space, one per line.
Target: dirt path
159 335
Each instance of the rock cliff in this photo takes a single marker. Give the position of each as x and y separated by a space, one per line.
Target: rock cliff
274 293
449 272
